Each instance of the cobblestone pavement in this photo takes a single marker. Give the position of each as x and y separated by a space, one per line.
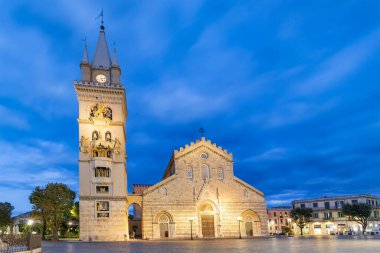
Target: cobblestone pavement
256 245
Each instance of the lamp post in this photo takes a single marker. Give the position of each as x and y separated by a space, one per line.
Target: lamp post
239 220
70 223
191 227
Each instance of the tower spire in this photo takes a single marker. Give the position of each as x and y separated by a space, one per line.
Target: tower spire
101 59
85 53
114 58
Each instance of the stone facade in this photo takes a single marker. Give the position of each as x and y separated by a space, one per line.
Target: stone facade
102 139
200 194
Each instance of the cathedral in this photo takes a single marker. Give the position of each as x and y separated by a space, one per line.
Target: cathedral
198 197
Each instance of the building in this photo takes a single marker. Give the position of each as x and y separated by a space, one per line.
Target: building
102 139
278 219
328 217
199 195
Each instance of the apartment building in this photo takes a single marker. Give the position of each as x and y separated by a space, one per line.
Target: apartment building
278 219
328 216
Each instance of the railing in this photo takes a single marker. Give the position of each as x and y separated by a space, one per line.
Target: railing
17 243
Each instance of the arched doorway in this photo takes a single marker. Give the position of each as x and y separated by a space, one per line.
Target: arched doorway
207 217
164 226
163 222
252 223
134 221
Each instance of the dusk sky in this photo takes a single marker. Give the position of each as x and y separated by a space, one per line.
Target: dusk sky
291 88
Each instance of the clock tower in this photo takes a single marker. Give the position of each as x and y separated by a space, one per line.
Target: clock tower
102 154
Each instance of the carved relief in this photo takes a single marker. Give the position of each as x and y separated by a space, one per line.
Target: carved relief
99 112
117 147
84 144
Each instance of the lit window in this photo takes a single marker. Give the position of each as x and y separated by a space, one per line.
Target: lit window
102 189
102 172
102 209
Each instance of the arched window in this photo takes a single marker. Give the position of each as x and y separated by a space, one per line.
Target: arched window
205 172
189 173
220 174
95 135
108 136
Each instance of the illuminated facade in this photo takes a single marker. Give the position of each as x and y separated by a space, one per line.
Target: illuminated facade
200 197
328 217
102 139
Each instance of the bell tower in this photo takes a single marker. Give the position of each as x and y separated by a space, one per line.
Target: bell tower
102 153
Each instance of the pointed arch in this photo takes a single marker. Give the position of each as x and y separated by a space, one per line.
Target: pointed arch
251 223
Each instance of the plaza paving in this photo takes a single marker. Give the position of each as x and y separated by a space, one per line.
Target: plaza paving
256 245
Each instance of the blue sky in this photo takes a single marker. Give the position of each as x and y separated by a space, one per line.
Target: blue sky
292 88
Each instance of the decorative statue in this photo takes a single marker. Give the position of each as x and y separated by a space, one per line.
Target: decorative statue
100 112
117 147
95 135
84 144
108 136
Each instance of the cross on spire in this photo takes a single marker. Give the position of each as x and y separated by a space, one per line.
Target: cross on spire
202 131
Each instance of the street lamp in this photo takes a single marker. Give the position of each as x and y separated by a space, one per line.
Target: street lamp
30 222
191 219
70 223
239 220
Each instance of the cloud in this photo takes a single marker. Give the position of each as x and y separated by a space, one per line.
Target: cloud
339 66
34 163
271 154
11 118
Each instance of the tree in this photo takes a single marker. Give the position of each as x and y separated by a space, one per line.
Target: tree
54 202
359 213
5 215
301 216
38 200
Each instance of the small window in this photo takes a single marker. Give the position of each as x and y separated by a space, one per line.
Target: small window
274 214
102 172
204 156
302 205
354 201
189 173
316 215
108 136
220 174
205 172
95 135
102 209
102 189
164 191
315 205
246 194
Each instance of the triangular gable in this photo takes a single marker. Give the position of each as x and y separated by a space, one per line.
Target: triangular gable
203 143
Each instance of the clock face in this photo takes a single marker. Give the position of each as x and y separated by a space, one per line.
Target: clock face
101 78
